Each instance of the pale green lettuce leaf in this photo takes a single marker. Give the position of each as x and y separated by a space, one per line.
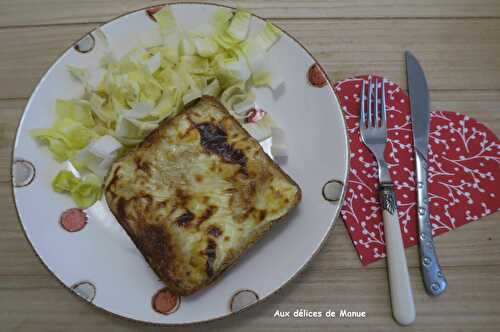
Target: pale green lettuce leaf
76 111
191 95
64 181
239 25
76 135
264 77
60 151
105 147
186 46
96 104
86 161
205 46
84 192
232 28
237 67
213 88
88 77
261 129
129 142
154 63
170 54
256 46
245 105
82 75
256 131
140 110
203 30
166 20
64 138
194 64
221 18
133 128
87 192
168 104
235 95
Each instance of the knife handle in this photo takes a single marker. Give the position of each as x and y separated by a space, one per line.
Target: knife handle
403 307
434 281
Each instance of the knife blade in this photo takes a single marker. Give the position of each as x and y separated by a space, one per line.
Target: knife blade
434 280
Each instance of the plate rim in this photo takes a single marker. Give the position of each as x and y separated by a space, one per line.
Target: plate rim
259 300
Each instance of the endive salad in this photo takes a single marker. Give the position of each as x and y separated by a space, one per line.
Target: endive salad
125 98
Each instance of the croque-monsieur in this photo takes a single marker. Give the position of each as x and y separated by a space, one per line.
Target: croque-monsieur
196 194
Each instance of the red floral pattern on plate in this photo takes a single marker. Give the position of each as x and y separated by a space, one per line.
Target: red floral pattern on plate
316 76
165 301
464 165
73 220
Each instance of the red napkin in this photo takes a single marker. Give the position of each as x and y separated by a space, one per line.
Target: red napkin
464 171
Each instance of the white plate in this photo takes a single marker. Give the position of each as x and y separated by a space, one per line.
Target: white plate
101 264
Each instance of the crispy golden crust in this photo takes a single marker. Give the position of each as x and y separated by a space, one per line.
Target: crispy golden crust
196 194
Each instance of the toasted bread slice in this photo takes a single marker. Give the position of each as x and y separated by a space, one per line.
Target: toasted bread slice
196 194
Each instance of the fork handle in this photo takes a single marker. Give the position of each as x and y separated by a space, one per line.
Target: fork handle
403 307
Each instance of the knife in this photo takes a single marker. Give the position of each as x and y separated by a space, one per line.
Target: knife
434 280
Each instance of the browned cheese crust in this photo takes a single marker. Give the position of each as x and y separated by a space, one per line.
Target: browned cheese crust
196 194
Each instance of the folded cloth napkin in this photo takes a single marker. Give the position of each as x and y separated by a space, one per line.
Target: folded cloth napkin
464 171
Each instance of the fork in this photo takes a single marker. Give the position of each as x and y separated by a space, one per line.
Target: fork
373 127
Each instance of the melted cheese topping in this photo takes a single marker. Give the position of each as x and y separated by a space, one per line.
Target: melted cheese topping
209 190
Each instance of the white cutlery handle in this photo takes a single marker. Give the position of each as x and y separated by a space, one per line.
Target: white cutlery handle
403 307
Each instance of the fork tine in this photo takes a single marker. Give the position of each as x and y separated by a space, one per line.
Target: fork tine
383 122
375 113
362 117
370 99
